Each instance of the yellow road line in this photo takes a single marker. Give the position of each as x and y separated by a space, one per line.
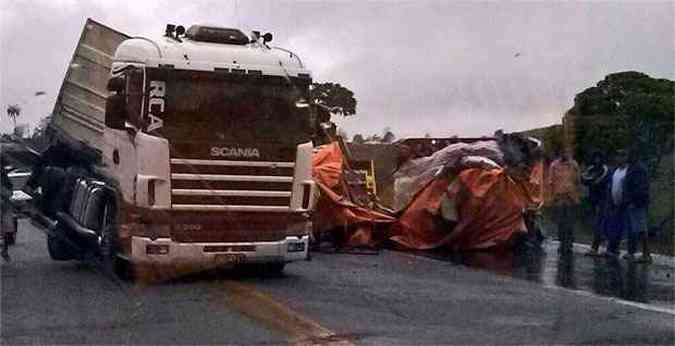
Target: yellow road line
267 310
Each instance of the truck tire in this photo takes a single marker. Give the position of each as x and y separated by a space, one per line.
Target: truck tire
276 268
58 249
10 238
109 244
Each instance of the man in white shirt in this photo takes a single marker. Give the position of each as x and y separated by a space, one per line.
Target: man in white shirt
616 210
617 183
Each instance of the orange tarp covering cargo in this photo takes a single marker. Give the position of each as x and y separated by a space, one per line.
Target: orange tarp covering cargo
465 208
355 225
488 204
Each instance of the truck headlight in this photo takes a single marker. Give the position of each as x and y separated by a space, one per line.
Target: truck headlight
157 249
296 246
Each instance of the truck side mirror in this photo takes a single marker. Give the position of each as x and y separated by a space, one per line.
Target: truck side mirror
131 129
115 111
117 84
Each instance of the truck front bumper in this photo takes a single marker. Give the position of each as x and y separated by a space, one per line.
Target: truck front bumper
164 251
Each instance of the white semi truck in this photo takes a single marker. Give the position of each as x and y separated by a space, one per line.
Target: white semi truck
192 149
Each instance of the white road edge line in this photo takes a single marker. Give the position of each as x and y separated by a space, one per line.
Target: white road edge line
642 306
657 259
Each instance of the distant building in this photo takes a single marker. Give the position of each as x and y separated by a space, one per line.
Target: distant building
21 131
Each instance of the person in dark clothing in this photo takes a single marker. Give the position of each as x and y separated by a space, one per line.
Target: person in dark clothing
627 212
636 200
596 178
6 215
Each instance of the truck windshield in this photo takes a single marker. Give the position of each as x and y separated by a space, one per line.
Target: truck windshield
211 105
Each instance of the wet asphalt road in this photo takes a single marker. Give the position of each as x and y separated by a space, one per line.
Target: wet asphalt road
388 299
648 284
48 302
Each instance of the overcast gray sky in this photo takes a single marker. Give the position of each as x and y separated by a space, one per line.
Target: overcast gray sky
440 67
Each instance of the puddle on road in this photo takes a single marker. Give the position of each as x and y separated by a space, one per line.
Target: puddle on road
637 282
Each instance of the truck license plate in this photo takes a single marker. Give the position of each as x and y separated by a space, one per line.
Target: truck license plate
230 258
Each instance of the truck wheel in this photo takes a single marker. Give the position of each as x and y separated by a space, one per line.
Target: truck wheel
109 245
10 238
276 268
59 249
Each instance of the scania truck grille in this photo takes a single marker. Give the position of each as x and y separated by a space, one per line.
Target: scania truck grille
224 185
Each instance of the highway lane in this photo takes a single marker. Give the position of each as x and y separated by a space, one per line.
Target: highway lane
47 302
400 299
387 299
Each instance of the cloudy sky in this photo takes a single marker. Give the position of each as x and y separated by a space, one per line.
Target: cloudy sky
438 67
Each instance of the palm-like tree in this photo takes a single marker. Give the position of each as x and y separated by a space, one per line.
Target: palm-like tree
13 112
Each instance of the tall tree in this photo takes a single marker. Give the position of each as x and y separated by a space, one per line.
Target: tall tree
388 136
375 138
358 139
338 98
626 108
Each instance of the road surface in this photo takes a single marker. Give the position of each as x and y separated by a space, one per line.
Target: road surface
336 299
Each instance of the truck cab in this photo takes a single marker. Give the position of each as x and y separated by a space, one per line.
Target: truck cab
204 152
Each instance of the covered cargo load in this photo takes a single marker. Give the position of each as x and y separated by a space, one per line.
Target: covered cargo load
471 195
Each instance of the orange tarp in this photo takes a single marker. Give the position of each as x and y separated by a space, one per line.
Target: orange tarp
490 210
356 225
327 165
489 205
417 227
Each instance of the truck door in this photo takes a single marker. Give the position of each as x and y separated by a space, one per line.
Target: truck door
121 157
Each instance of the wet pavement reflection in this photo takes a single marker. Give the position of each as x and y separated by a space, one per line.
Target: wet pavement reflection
638 282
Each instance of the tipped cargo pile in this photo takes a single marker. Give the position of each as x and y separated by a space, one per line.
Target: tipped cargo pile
466 194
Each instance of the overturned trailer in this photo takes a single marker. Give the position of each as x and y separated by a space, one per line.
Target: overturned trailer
461 194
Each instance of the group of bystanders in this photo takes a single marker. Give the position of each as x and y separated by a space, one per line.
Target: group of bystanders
619 200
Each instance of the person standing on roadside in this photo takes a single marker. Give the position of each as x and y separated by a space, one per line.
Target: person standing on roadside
564 183
636 201
6 215
596 178
617 217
